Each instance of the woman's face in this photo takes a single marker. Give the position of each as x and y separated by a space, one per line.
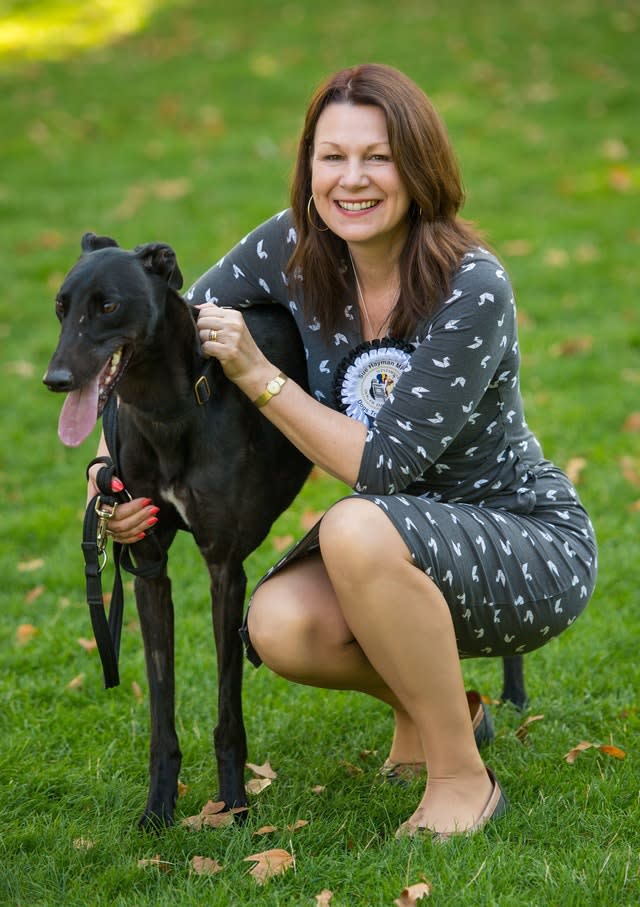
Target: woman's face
356 187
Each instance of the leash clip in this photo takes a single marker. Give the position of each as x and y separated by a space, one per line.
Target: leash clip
104 513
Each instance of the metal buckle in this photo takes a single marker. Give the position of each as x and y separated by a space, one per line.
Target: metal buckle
104 512
202 385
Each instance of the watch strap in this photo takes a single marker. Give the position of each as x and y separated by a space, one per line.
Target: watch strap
273 387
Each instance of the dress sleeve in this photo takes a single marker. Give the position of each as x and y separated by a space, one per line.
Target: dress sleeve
470 343
253 271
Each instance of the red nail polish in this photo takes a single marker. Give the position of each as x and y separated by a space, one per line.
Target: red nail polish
116 485
141 536
152 521
146 502
154 510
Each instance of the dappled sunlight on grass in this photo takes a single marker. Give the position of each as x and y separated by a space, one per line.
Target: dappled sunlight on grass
54 30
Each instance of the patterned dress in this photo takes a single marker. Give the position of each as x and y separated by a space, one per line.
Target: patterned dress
448 457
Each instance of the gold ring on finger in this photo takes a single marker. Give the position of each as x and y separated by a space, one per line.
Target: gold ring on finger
213 336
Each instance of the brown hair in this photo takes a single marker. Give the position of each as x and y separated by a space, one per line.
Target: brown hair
427 166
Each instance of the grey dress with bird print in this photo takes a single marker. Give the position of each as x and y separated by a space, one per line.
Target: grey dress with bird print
449 457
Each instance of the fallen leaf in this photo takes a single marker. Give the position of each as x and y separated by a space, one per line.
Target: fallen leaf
34 594
205 866
366 754
574 468
265 830
87 644
263 771
77 683
630 471
350 768
573 346
219 820
322 899
632 423
309 518
556 258
211 807
523 731
410 896
257 785
157 862
299 823
29 566
25 633
170 190
269 863
137 691
606 748
182 788
318 789
517 247
282 542
20 368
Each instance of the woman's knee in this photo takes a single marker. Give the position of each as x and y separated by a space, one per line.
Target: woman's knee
356 535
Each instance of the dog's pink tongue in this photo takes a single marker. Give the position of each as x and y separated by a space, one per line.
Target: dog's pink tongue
79 414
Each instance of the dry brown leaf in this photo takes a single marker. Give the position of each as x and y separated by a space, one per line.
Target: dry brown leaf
318 789
299 823
34 594
410 896
211 807
257 785
517 247
350 768
630 471
182 788
606 748
205 866
87 644
193 823
137 691
263 771
573 346
632 423
219 820
523 731
157 862
309 518
77 683
171 190
574 468
556 258
270 863
282 542
25 633
265 830
322 899
29 566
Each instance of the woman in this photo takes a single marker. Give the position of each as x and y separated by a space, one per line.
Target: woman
461 539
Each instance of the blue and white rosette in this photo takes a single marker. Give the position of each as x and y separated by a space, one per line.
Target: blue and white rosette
367 375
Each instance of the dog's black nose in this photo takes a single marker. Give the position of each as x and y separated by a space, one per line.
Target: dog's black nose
59 379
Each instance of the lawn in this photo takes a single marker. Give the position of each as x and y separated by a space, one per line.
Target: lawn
177 121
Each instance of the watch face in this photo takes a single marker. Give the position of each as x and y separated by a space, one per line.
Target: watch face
274 386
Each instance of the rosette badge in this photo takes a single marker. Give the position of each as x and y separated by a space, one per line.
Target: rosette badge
367 375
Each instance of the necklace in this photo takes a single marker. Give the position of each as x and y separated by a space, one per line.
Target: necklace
361 297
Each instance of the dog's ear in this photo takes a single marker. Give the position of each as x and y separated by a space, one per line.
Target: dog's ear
160 259
91 242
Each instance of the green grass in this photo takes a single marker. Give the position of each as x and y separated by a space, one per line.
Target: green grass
185 132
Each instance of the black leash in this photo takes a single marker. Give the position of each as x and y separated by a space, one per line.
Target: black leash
108 629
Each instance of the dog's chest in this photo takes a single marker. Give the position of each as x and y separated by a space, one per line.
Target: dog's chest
173 496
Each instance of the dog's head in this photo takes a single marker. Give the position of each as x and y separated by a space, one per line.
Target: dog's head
109 304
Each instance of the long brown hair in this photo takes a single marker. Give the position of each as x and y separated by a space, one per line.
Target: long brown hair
423 155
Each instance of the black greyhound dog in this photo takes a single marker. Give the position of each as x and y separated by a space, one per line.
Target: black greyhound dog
215 466
217 469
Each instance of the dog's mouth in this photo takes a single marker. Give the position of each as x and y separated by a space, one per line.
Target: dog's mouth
84 406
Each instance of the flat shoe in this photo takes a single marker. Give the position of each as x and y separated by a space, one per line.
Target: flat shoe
496 806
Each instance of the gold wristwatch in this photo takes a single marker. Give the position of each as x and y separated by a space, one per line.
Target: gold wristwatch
273 387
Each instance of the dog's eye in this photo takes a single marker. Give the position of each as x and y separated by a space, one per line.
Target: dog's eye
108 308
59 307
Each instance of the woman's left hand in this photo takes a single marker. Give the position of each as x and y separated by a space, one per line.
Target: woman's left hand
224 335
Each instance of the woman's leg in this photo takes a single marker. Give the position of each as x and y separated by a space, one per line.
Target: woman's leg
403 625
297 628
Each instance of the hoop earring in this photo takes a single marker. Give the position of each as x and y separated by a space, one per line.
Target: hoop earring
310 218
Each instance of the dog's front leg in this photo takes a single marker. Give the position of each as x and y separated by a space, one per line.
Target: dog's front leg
155 608
228 585
513 687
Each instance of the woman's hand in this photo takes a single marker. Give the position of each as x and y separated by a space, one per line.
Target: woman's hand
131 520
224 335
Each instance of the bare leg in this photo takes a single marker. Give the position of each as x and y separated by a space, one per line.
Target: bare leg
298 629
305 629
